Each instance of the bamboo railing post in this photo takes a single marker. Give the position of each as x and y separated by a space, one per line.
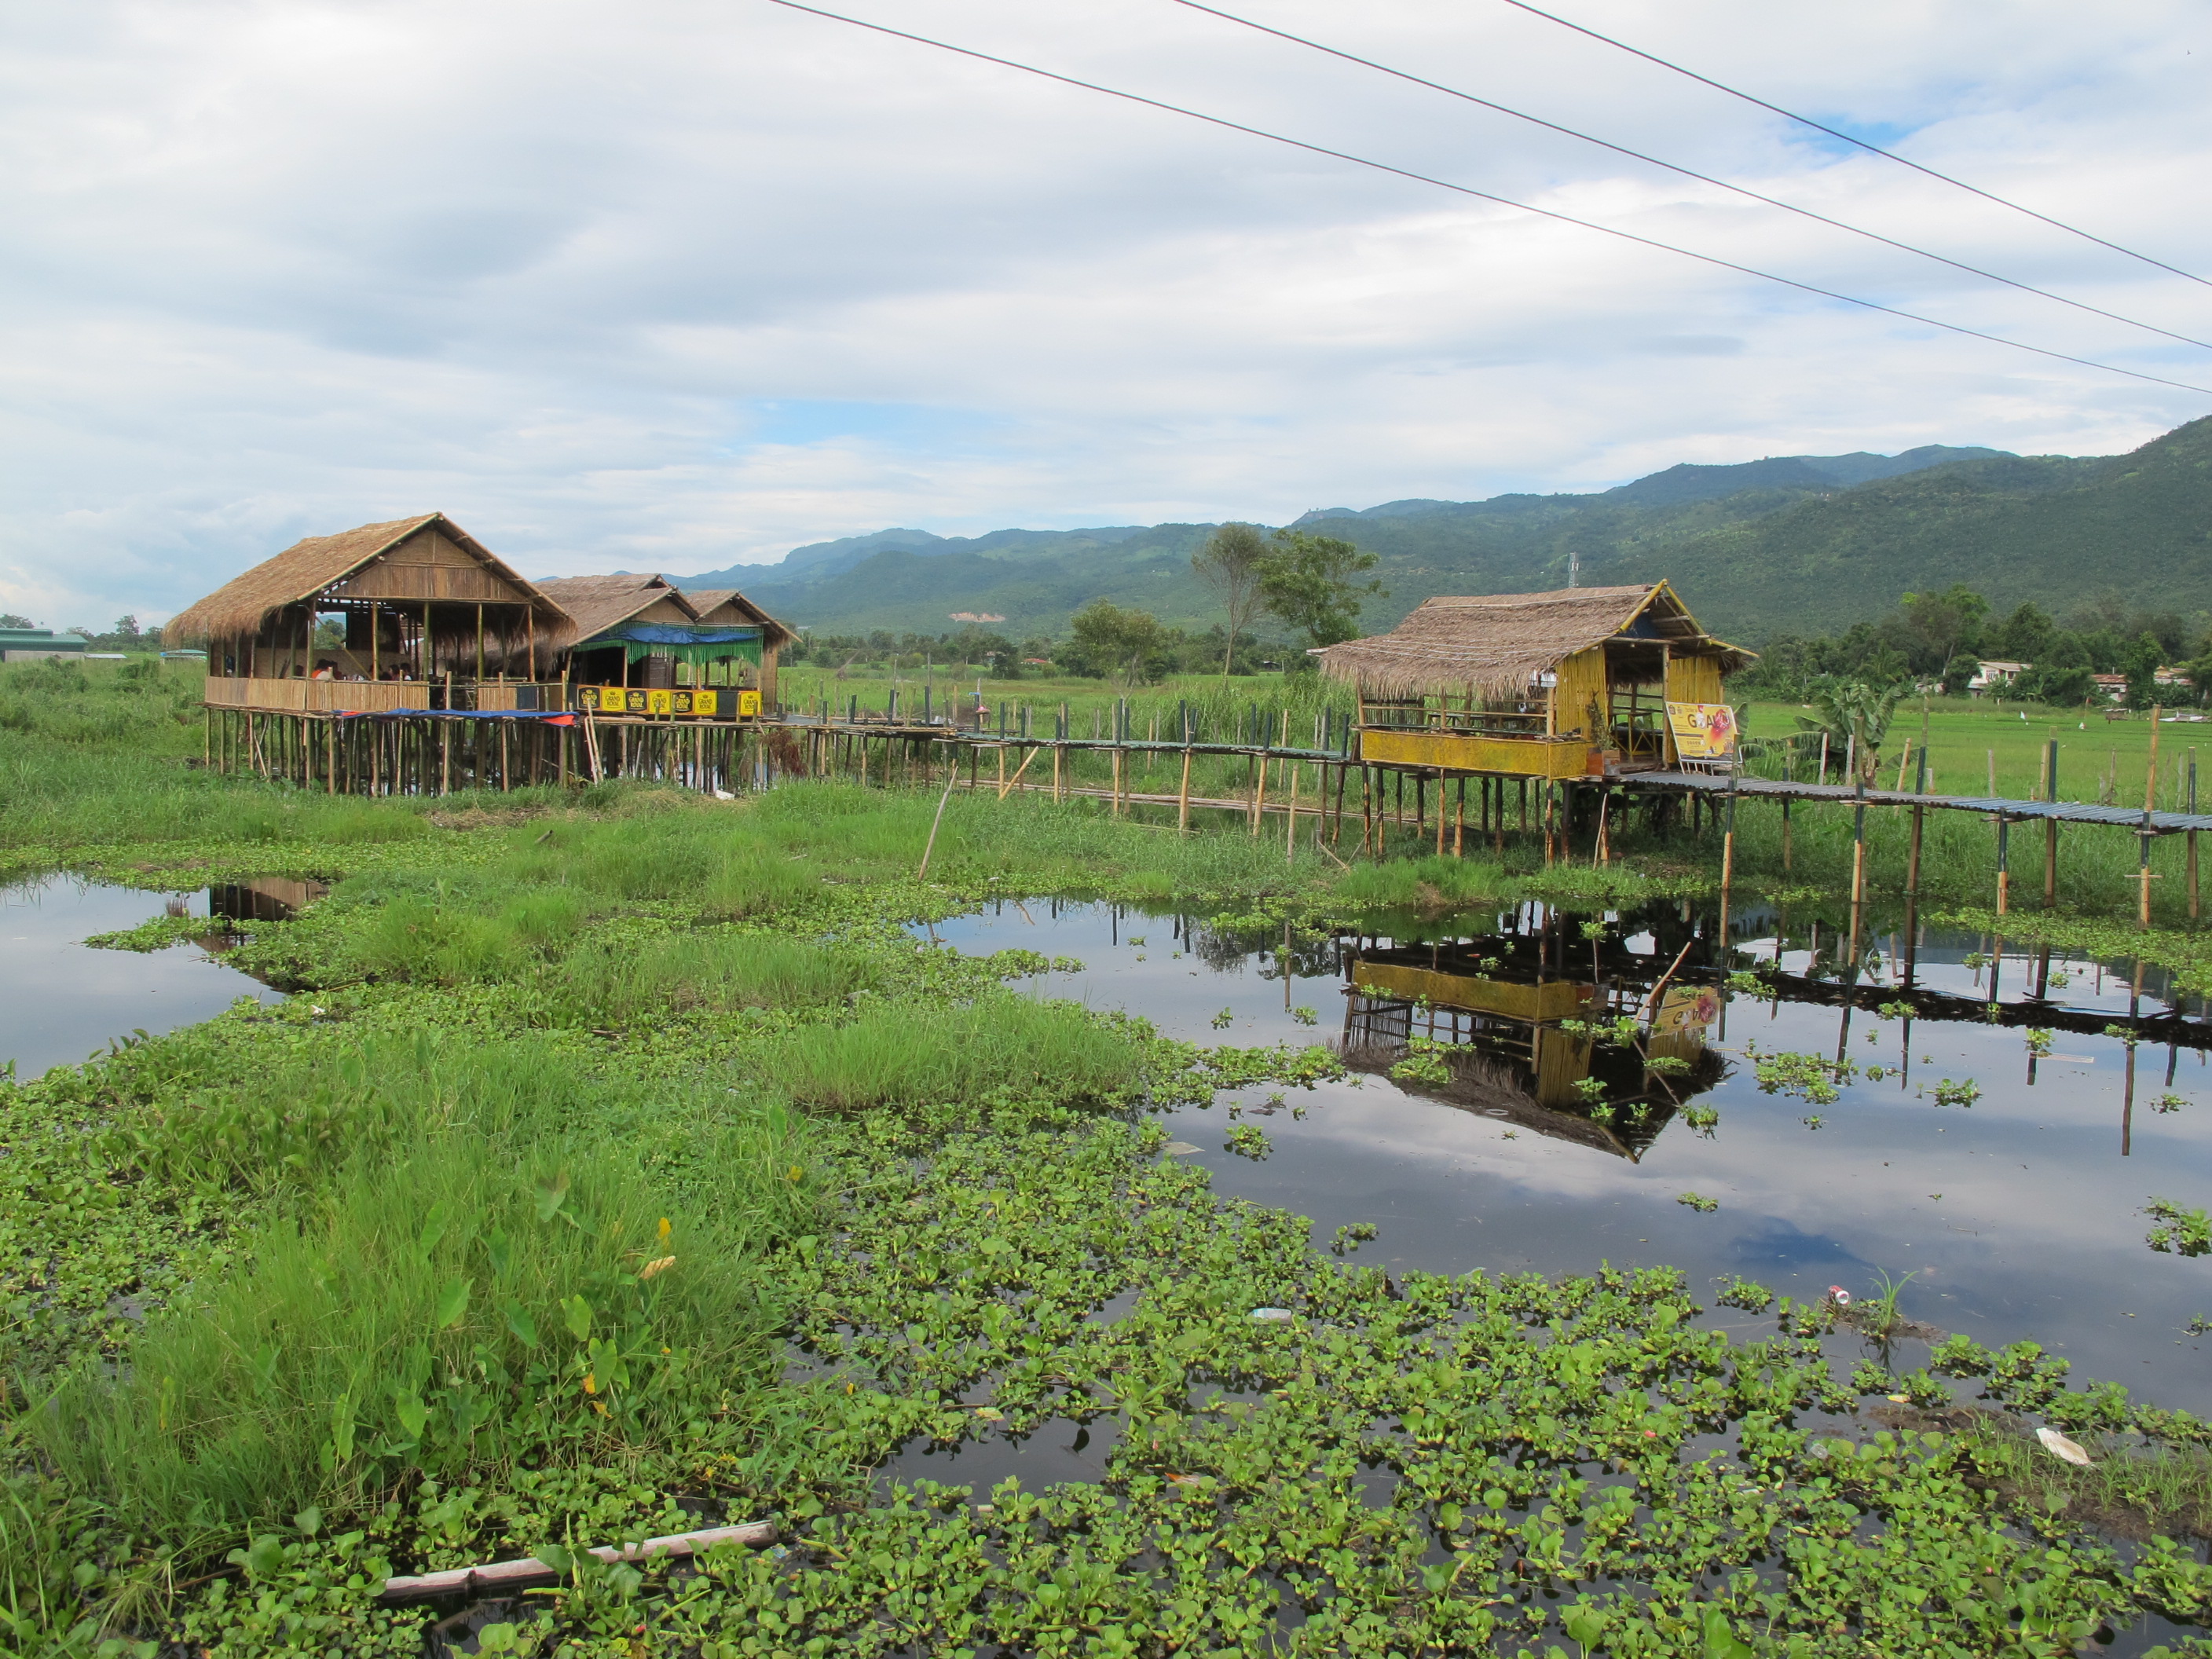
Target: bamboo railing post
1182 798
1290 833
2004 873
2150 801
1259 794
1785 834
1858 847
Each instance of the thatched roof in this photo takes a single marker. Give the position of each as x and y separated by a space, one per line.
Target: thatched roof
732 609
244 604
1496 644
598 602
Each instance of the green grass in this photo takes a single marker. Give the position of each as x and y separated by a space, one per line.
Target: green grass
911 1056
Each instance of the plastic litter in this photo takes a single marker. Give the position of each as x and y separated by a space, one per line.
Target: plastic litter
1839 1296
2059 1446
1273 1315
1177 1148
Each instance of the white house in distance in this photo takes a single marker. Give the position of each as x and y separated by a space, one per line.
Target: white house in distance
1995 676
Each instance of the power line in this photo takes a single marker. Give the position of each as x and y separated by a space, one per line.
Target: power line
1484 196
1688 172
1872 149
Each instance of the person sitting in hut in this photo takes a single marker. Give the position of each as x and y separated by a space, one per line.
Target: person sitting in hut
326 670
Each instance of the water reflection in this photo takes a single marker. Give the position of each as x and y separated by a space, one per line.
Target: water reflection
1514 1140
62 1001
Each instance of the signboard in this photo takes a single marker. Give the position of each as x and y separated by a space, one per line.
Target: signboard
639 700
1703 731
1686 1011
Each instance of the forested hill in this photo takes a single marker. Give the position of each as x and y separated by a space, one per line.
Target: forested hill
1794 544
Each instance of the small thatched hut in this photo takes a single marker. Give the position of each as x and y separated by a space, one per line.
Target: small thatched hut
639 632
1567 684
421 601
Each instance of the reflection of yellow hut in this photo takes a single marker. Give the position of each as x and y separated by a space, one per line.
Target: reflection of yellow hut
1505 1057
1567 684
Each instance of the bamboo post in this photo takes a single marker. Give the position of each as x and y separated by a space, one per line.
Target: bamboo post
1459 819
1117 782
1785 834
1858 848
330 753
1291 835
1728 870
2150 802
1055 774
1182 797
1259 794
480 648
2004 873
2193 912
1366 809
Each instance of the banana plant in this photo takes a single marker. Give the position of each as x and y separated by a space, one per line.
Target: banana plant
1856 716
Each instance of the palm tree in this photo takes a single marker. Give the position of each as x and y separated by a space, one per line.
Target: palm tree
1857 716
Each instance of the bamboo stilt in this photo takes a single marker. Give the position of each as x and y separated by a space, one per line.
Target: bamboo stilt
1182 798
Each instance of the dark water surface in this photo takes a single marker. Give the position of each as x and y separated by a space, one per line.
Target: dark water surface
62 1001
2019 1216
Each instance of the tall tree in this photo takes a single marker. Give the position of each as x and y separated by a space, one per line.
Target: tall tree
1943 624
1108 640
1229 561
1311 583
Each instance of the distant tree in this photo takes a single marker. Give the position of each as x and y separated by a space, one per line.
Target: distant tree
1231 561
2144 659
9 619
1941 625
2060 685
2027 635
1856 716
1111 642
1958 671
1310 582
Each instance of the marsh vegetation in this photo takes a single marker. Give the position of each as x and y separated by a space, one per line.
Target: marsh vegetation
623 1162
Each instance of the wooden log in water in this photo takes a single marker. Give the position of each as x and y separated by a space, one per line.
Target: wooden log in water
500 1575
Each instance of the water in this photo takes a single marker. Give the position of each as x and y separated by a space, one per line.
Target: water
63 1002
2020 1217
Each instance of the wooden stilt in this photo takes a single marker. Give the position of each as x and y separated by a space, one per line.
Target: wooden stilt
1259 794
1183 796
1785 834
2193 912
1290 833
1459 819
2004 874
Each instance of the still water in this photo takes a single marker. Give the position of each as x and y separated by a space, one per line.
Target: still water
2019 1216
63 1002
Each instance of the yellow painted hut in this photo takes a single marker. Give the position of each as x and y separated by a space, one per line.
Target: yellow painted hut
426 612
1574 683
644 646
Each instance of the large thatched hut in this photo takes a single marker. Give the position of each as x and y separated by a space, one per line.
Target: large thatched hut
1573 683
424 609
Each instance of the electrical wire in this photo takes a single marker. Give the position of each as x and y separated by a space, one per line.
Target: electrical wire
1688 172
1872 149
1484 196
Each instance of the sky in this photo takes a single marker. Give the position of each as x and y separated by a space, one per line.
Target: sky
674 285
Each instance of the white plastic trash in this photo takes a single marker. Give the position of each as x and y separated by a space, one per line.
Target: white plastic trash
2059 1446
1273 1316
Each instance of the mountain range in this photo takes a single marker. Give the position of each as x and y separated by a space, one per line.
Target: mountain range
1795 543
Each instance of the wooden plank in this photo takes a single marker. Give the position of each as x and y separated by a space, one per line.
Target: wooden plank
495 1575
1531 758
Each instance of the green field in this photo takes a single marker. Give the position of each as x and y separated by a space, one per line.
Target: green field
623 1162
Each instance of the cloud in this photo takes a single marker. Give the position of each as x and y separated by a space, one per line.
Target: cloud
688 284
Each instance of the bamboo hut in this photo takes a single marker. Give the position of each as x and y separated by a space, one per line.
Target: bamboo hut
645 647
1582 682
726 607
428 617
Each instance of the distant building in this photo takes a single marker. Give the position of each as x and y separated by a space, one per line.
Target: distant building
28 644
2114 686
1995 676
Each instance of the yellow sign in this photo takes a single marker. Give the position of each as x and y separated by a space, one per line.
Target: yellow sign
748 704
1688 1010
1703 731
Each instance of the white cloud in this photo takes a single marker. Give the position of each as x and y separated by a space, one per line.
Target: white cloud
678 285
